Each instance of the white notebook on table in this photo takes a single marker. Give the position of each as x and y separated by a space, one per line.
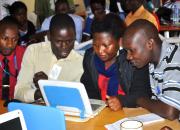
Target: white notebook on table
145 119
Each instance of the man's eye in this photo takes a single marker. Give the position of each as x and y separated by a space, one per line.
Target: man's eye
107 45
130 51
15 40
4 38
95 45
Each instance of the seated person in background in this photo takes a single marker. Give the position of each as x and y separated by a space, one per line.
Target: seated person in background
62 6
142 42
10 57
116 7
18 10
98 10
137 11
169 3
53 59
108 75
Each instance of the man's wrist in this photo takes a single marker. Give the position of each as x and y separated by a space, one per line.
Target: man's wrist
37 94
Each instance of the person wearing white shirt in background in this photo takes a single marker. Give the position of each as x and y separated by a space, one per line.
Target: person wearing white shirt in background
170 3
62 6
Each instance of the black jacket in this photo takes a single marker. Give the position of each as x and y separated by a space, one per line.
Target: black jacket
135 82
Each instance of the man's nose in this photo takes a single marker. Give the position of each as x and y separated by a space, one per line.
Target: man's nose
64 45
101 50
10 42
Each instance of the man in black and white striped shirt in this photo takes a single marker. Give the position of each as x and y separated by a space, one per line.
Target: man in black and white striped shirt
144 47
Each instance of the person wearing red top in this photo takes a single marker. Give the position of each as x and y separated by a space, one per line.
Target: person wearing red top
13 55
109 76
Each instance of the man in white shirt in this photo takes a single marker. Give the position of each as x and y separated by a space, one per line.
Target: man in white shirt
62 6
50 60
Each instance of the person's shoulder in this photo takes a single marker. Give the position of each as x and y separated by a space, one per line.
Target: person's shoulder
76 17
75 54
47 20
128 17
169 44
30 23
20 48
171 47
89 51
39 47
146 12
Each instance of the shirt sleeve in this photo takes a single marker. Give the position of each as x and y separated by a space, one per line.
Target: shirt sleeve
24 89
171 85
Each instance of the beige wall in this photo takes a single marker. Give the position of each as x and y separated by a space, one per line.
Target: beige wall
81 7
31 15
29 4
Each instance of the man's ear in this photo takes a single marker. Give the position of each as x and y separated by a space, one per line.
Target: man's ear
150 44
48 36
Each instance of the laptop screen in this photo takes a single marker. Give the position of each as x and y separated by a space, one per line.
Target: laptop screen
12 121
71 97
13 124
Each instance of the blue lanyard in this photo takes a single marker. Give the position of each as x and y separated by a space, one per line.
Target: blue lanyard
15 65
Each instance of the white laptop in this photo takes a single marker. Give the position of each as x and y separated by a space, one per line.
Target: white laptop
70 97
13 120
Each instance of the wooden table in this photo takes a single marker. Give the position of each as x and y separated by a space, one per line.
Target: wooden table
167 28
2 109
107 116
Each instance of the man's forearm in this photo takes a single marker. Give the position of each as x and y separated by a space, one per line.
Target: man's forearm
158 107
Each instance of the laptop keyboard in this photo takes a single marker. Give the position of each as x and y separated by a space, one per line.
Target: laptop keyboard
95 106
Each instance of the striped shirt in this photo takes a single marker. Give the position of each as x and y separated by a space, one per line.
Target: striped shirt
165 78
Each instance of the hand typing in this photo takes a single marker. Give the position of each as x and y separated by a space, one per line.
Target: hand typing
113 103
38 76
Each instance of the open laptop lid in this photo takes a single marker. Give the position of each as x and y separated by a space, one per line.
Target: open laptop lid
13 120
70 97
39 117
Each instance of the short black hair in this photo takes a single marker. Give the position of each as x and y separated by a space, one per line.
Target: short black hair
9 21
111 23
61 21
59 2
102 2
149 29
15 7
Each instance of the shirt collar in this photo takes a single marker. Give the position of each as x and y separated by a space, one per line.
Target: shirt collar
69 57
